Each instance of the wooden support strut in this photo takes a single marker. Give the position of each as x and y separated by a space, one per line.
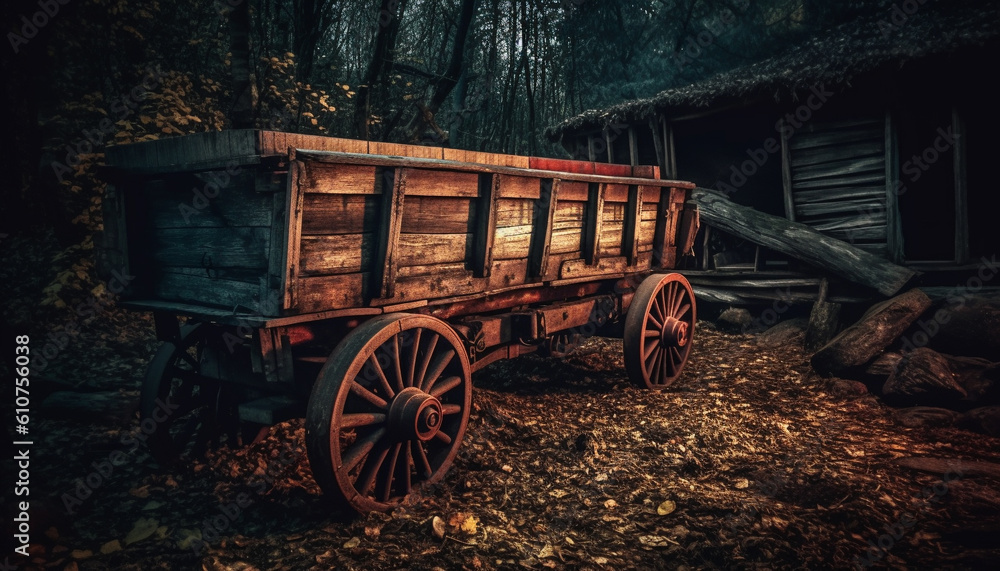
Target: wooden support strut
393 185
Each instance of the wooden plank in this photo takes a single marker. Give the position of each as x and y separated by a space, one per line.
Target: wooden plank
619 176
439 285
837 194
433 270
337 253
541 234
822 139
398 150
293 211
569 214
194 286
566 240
608 169
894 229
513 242
322 293
386 258
851 206
429 249
801 242
616 193
574 191
427 182
485 224
877 177
210 247
839 169
650 196
238 206
561 165
477 157
200 151
671 149
786 177
514 212
961 189
645 171
114 254
438 215
324 214
519 187
277 143
609 267
595 220
276 262
633 221
339 178
826 155
507 274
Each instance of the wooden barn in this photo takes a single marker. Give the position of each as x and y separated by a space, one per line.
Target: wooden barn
881 133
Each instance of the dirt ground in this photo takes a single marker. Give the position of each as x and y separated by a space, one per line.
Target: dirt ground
749 460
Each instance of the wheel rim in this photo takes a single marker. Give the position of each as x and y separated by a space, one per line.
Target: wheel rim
388 411
183 413
659 329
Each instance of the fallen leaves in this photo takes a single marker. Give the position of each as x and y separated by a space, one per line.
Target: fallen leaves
666 508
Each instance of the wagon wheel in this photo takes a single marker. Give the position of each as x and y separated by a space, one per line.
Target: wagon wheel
388 411
658 330
184 414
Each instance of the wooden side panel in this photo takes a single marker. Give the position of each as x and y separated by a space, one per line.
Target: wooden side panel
612 229
519 187
476 157
339 214
397 150
337 253
427 182
335 178
278 143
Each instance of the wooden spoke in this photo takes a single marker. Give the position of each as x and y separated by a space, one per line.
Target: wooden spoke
373 363
424 464
435 372
443 437
365 394
446 385
397 362
414 353
360 449
358 420
385 482
370 469
448 409
418 380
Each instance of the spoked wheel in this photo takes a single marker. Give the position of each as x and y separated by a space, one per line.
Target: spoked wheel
183 413
388 411
659 328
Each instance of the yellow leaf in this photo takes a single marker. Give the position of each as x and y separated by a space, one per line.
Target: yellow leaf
142 529
666 508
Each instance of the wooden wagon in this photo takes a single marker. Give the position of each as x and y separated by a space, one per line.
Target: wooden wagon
360 284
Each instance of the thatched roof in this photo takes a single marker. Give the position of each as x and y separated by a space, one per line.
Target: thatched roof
834 59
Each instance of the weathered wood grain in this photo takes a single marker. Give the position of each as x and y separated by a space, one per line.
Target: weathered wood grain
339 214
438 215
801 242
339 179
426 182
337 253
210 247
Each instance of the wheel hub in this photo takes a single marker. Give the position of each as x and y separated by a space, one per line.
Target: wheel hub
415 414
675 333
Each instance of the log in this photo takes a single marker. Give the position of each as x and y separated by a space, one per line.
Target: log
824 319
863 341
801 242
926 417
923 378
965 325
951 468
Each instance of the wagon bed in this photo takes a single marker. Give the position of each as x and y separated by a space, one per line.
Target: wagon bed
360 284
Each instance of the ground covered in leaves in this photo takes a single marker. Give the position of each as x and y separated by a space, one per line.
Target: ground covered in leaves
749 460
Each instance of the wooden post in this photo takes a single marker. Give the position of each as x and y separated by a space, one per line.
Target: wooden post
658 144
893 230
393 183
293 213
486 224
961 190
541 234
670 152
610 146
633 219
595 216
633 146
786 177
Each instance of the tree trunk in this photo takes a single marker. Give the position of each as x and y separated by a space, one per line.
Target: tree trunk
243 112
383 56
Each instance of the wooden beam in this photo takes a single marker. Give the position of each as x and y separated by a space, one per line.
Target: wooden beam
633 146
893 228
293 216
393 185
961 189
594 223
786 177
633 220
658 143
541 234
486 224
610 146
801 242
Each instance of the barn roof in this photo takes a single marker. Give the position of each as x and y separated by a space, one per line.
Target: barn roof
834 59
